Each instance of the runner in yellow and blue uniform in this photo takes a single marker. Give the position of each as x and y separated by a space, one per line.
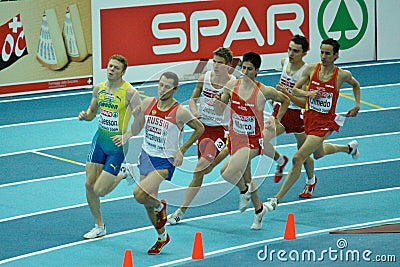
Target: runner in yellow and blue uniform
116 99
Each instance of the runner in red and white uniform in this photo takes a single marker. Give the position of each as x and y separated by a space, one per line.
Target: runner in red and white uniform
292 121
211 145
163 121
247 98
324 81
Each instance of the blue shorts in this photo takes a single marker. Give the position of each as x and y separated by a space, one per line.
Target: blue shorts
149 163
110 158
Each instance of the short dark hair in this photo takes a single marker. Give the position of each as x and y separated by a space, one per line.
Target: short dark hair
171 75
301 40
253 58
335 44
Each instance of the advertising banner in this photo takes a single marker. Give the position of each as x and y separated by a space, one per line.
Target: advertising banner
155 35
45 46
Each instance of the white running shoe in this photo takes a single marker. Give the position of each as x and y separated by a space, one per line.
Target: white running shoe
354 149
271 203
244 200
127 171
175 217
257 224
97 231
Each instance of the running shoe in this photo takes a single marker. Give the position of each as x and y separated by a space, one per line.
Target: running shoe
161 215
354 149
271 204
127 171
244 200
279 169
156 248
308 190
257 224
97 231
175 217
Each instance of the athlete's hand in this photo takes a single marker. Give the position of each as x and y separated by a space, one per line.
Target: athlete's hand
315 94
352 112
178 159
270 124
120 140
281 88
82 115
197 115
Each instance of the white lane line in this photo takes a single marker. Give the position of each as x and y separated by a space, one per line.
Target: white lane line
140 136
204 185
224 214
43 179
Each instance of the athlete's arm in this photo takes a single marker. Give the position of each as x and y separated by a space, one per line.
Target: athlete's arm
139 111
183 116
270 93
195 95
356 92
220 101
91 112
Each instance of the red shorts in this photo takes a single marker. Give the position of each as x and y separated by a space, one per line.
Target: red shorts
211 142
235 142
319 124
292 120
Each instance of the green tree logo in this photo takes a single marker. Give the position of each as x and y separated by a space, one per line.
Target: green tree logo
343 22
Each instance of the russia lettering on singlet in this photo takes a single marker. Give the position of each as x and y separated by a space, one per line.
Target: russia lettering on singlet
162 136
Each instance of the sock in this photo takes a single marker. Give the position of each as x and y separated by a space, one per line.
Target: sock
311 181
163 236
280 160
244 191
159 208
260 210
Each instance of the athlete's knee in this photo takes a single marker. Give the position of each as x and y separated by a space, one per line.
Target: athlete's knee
140 195
318 155
297 160
100 191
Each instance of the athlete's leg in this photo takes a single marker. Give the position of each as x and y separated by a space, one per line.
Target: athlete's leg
309 162
311 144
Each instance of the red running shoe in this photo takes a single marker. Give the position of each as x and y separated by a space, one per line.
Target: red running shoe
156 248
161 215
308 190
279 170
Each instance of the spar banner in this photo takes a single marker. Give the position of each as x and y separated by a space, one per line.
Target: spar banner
161 34
45 46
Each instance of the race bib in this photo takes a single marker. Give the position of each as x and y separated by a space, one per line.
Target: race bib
323 104
219 144
109 120
244 124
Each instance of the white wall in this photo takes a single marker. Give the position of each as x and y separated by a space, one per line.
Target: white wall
388 29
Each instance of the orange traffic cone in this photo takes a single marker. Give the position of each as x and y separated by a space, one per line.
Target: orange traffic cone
128 260
290 231
198 252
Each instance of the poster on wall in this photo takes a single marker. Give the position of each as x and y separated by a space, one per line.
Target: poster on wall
45 46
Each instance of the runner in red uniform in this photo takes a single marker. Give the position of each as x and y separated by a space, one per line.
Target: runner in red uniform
247 99
324 81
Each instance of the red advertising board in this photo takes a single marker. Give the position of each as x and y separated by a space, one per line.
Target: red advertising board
189 31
